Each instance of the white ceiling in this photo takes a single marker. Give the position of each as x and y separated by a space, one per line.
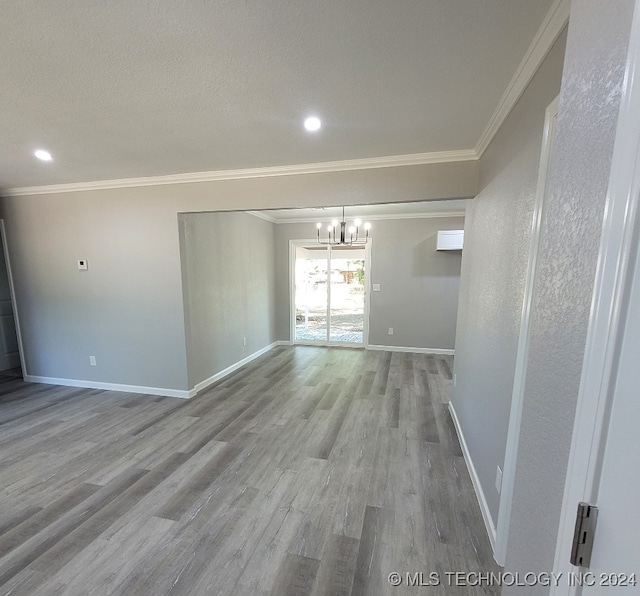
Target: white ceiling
367 212
132 89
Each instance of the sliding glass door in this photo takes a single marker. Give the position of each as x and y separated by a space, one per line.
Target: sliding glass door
311 294
329 295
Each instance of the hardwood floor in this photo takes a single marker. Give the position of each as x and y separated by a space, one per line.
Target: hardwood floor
309 471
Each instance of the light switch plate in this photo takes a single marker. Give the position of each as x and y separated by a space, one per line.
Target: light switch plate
376 287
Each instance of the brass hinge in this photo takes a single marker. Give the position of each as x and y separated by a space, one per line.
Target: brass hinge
583 535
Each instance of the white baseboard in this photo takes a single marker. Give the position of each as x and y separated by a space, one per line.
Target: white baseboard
484 508
184 394
444 352
181 393
227 371
108 386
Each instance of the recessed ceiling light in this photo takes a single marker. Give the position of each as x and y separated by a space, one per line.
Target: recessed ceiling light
43 155
313 123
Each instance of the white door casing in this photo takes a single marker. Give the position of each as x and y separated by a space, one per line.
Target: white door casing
616 548
605 442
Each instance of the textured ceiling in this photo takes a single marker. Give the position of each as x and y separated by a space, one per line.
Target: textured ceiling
131 89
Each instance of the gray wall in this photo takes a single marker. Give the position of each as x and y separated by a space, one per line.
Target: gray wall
228 284
418 286
127 309
571 228
494 263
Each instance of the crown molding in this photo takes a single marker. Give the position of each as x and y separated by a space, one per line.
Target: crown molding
548 33
414 159
418 215
263 215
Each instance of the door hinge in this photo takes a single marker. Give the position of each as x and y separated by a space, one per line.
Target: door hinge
583 535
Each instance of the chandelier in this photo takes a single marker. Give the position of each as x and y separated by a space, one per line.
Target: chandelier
338 234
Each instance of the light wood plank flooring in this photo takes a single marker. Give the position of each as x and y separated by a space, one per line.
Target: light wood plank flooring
310 471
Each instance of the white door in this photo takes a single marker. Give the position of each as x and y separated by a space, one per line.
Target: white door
604 460
616 547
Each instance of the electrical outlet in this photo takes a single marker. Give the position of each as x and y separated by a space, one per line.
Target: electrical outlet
498 479
83 264
92 360
244 341
376 287
390 330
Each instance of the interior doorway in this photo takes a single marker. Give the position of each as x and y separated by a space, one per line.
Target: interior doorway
329 302
10 359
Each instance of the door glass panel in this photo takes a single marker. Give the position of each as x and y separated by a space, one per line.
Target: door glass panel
311 273
347 295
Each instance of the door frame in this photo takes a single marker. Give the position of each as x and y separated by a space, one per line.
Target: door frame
614 277
293 244
522 355
12 290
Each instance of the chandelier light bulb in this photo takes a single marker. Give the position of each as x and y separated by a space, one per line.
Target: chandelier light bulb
329 228
357 223
319 226
352 230
367 226
334 223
